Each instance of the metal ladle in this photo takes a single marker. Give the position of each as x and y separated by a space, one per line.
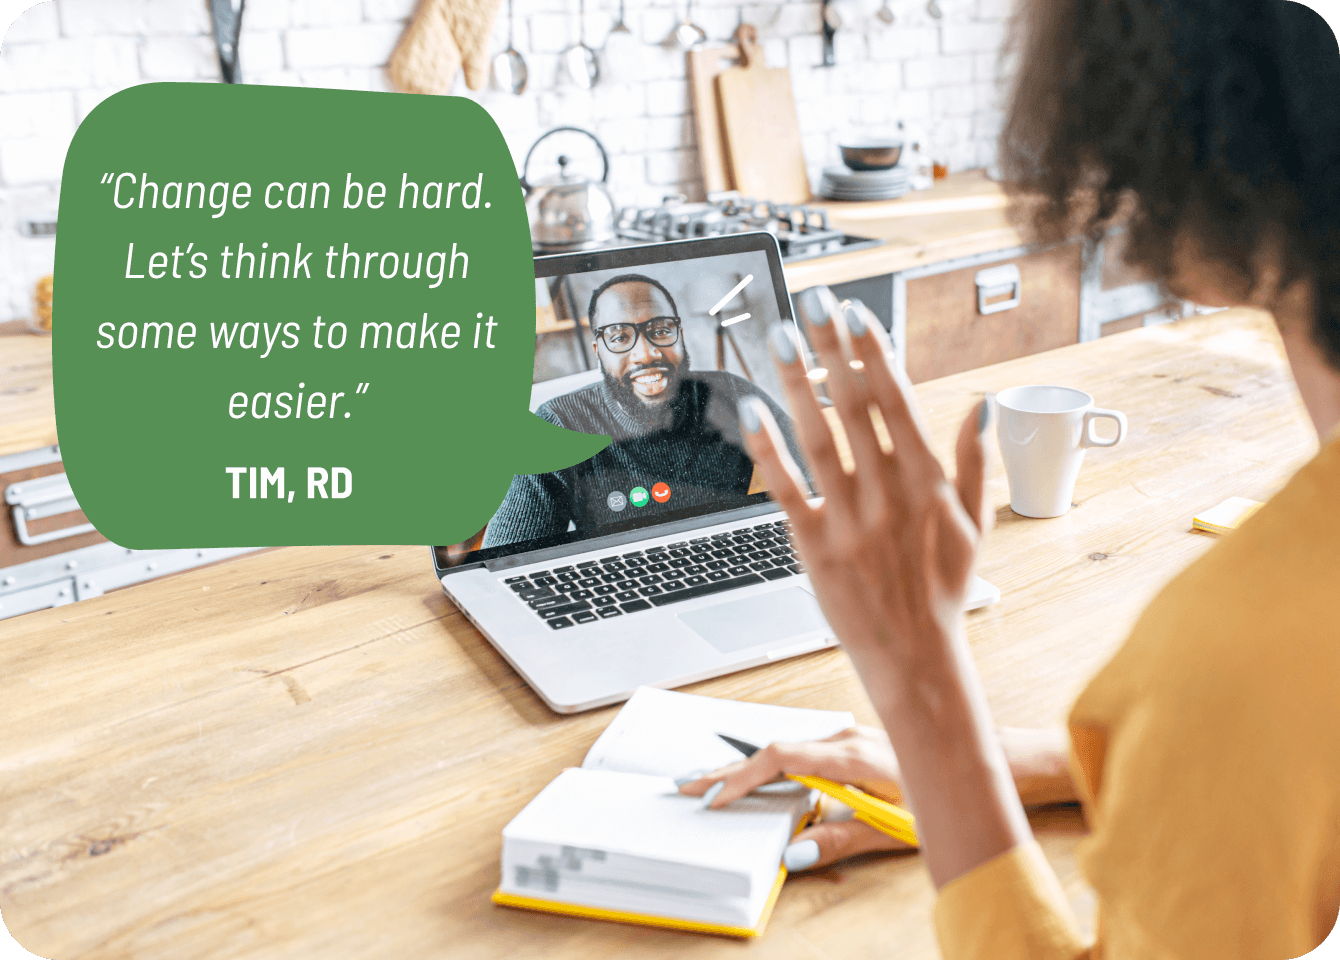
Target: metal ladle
620 57
933 8
582 61
509 67
885 14
688 33
226 16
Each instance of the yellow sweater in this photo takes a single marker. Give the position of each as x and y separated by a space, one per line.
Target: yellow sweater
1207 754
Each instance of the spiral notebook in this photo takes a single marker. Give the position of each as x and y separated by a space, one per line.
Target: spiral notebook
615 840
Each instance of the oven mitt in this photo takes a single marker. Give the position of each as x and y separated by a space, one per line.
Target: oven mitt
442 37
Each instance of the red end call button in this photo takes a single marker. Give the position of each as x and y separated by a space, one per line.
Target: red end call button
660 492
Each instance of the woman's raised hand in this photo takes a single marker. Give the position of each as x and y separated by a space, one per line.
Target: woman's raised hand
890 548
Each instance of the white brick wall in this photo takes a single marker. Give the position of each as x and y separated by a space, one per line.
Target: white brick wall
940 72
971 37
939 78
38 23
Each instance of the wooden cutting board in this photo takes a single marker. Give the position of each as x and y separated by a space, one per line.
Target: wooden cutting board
705 65
762 133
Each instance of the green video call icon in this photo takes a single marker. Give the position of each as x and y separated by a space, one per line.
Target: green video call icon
639 496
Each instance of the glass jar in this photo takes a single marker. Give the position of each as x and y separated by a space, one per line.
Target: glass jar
40 321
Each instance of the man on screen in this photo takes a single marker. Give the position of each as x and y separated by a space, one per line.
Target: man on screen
675 431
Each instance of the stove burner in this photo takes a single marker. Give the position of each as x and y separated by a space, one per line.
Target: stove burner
802 231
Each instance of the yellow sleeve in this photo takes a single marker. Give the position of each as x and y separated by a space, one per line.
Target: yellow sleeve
1009 908
1205 754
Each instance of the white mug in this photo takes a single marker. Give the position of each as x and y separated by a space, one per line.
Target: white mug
1043 432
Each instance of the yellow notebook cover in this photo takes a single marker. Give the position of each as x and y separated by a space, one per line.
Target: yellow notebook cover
650 920
645 919
680 731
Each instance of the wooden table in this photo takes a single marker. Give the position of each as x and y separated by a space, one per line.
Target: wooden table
309 753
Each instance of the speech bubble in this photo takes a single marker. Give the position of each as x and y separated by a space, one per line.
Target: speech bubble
336 285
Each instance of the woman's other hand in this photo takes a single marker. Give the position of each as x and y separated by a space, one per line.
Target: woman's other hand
860 756
863 757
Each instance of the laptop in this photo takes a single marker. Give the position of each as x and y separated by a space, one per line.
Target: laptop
660 561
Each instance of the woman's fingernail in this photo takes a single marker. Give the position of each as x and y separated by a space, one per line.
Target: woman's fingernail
689 777
855 320
783 343
984 417
814 305
712 792
801 855
750 421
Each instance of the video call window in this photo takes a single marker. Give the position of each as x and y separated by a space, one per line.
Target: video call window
657 356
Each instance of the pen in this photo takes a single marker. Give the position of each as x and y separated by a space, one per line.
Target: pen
880 814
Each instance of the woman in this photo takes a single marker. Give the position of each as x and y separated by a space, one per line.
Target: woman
1207 753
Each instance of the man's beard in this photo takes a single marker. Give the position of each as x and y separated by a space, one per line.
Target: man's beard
650 415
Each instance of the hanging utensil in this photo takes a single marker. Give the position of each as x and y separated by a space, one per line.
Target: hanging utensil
621 56
831 22
933 8
885 14
582 61
509 67
226 16
688 33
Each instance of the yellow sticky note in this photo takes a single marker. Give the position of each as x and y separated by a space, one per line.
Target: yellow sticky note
1226 516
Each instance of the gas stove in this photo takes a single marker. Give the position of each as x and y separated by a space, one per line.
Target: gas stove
803 232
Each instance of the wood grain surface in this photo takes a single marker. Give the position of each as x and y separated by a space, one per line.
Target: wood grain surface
27 407
761 130
705 64
310 753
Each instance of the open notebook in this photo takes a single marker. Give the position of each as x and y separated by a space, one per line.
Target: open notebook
615 840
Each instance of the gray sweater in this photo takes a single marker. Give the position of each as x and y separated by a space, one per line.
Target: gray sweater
694 445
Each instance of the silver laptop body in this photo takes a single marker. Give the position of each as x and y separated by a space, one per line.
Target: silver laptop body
657 591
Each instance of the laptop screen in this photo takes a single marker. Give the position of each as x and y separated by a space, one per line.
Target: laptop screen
655 346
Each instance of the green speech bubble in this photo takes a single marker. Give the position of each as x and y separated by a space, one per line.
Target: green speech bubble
334 284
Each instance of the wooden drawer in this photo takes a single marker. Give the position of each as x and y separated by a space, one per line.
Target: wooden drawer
57 565
947 332
12 549
1121 297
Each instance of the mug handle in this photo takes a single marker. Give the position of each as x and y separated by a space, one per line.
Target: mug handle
1091 439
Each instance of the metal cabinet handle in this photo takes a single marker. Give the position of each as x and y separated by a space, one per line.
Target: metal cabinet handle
40 498
995 281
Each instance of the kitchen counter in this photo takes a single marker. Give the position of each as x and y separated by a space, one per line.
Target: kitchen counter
27 405
311 753
74 564
962 215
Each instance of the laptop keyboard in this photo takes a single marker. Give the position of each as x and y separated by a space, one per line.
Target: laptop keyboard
643 579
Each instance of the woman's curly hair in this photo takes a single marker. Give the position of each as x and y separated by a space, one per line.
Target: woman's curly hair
1212 120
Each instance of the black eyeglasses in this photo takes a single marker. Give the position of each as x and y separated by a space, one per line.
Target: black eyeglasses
622 337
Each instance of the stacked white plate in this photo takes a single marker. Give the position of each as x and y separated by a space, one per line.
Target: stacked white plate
840 183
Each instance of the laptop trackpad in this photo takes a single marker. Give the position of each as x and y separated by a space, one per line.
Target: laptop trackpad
739 624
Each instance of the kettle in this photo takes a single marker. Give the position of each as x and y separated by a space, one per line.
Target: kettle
569 213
